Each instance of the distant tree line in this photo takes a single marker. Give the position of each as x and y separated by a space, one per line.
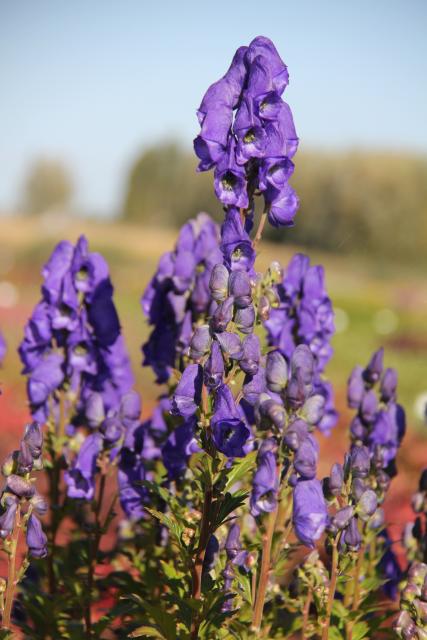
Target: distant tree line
360 201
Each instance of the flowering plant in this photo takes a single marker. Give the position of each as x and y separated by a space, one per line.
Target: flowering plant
225 528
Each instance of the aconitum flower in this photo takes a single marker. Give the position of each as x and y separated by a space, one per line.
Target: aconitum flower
80 478
230 432
73 342
178 448
178 295
303 315
36 538
309 511
265 483
248 135
188 393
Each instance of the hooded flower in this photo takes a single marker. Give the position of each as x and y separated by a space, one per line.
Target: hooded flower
230 432
187 396
265 483
309 511
36 538
80 478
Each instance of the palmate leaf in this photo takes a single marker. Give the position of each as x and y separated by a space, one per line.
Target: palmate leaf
240 470
226 505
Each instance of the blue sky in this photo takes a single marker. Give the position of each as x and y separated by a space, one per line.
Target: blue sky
95 81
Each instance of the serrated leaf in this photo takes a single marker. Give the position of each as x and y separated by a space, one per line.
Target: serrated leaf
240 469
227 505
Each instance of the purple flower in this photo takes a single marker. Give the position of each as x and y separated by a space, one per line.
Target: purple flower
36 538
355 388
229 430
3 348
179 447
218 283
240 288
389 385
244 319
336 479
282 205
374 369
20 486
80 478
200 342
33 437
295 435
235 243
276 372
187 396
301 379
265 483
351 537
306 457
250 359
230 344
213 371
309 511
7 519
360 462
223 315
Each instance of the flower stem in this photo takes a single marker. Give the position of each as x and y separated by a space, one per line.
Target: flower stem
332 588
93 556
260 229
306 613
11 577
356 594
267 541
199 559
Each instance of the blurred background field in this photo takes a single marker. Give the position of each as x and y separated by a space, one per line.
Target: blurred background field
96 122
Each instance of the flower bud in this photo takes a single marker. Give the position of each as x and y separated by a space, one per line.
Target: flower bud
39 504
336 479
417 573
388 385
213 371
305 461
352 536
34 439
245 319
360 462
223 315
405 627
230 345
358 487
264 308
218 283
249 362
355 388
369 407
7 520
276 372
421 610
300 384
367 504
373 371
112 430
240 288
24 458
95 413
20 487
295 434
377 520
313 409
200 342
272 411
342 518
130 406
358 430
36 538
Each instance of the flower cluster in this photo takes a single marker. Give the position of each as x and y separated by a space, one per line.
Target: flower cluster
411 623
20 503
248 135
178 294
73 342
415 534
109 430
299 311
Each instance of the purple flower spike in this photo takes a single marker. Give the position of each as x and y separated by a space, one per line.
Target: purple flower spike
240 288
309 511
229 430
305 461
36 538
355 388
265 484
213 371
249 362
232 544
188 393
276 372
262 46
282 205
336 479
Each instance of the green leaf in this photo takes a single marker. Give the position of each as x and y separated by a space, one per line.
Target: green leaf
360 630
147 632
240 469
227 505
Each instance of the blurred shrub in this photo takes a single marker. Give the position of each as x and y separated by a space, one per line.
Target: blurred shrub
48 186
355 201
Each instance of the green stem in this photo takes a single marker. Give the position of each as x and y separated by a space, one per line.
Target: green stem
332 588
93 554
261 225
199 558
306 613
11 574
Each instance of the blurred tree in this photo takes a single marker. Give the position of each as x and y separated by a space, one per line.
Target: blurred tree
164 188
362 201
48 186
